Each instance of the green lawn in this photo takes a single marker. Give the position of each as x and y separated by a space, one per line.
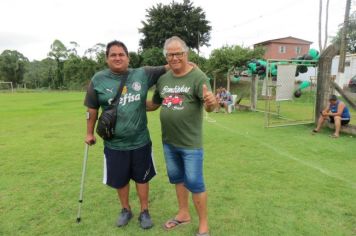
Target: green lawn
276 181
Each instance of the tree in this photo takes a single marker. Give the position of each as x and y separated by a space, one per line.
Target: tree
97 53
40 73
78 71
183 20
153 57
59 53
223 59
135 60
351 34
73 48
13 66
322 47
200 61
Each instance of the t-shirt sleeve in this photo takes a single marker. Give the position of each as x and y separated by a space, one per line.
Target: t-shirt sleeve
153 73
91 98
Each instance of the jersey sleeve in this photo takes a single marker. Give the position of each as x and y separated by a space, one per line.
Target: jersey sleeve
153 73
91 98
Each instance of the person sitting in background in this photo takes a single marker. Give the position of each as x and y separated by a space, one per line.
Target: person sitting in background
225 99
336 113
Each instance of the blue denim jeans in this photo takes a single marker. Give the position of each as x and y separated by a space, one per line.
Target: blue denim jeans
185 166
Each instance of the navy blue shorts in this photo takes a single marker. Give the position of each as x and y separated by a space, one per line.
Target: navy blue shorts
343 122
121 166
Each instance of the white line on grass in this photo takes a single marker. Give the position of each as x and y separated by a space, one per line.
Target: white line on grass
289 156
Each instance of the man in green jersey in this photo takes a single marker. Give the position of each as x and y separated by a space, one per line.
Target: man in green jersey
128 153
183 92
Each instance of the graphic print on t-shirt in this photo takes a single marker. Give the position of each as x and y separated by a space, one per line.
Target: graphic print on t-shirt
173 101
174 97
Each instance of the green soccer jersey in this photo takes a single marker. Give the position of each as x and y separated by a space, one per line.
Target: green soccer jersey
181 115
131 126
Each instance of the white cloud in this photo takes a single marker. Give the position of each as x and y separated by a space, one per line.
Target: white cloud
31 26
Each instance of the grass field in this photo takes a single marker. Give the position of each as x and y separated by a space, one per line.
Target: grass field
276 181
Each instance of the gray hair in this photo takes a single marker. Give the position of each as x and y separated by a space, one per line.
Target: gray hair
174 39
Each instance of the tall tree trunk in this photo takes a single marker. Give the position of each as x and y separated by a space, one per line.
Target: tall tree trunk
326 23
344 28
320 14
323 84
341 68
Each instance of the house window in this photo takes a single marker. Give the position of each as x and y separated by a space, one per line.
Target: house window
298 50
282 49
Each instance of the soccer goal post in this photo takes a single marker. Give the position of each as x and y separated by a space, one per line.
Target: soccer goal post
291 93
4 85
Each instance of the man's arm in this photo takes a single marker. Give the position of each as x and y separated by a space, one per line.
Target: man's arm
210 102
340 110
151 106
92 103
92 115
326 111
155 102
167 67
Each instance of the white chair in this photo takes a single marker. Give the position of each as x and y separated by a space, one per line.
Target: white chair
231 107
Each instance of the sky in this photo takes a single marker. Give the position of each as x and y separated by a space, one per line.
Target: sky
31 26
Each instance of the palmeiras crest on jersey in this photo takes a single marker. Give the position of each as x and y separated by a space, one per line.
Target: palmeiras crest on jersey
136 86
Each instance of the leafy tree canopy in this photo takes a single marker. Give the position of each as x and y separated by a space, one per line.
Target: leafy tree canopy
198 60
78 71
97 52
351 34
135 59
40 73
153 57
222 59
12 66
183 20
58 51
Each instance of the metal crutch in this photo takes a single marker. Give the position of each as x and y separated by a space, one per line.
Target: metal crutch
82 182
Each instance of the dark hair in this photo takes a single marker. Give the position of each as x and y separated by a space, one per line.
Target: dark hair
332 97
116 43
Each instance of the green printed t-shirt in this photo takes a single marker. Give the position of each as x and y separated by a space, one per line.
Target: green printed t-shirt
182 108
131 125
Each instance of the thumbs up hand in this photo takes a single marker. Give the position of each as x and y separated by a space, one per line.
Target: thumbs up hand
209 99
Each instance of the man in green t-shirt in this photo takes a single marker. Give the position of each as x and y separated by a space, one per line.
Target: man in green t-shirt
183 92
128 153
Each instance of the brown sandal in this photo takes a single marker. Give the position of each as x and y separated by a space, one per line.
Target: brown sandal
174 223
